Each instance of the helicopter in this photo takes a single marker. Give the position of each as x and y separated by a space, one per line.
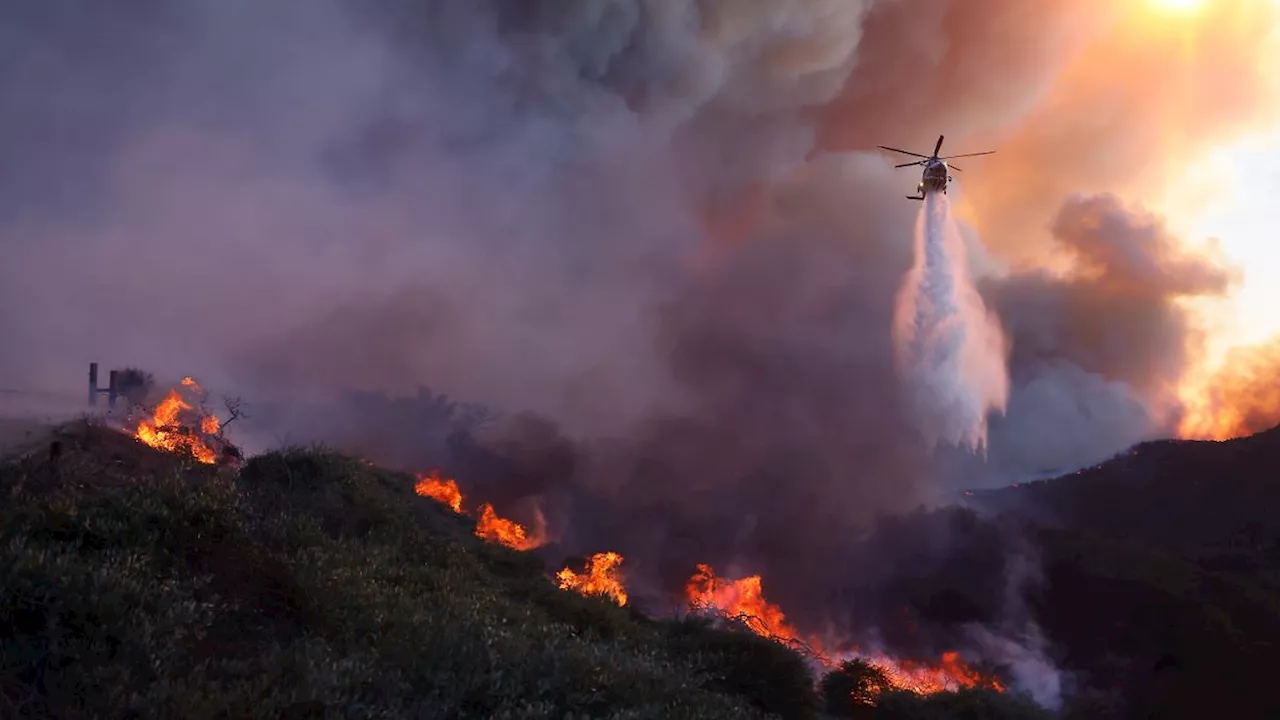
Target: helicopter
935 176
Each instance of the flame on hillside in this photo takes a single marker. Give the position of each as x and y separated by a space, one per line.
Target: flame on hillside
177 424
950 673
492 526
744 600
489 525
600 577
444 491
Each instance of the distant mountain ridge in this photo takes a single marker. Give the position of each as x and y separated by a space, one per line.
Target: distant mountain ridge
1199 498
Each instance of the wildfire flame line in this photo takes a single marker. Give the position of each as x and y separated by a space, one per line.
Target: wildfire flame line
743 599
489 525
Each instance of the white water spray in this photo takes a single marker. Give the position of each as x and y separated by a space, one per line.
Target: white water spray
950 350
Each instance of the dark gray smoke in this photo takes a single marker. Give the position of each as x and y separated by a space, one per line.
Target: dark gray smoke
627 218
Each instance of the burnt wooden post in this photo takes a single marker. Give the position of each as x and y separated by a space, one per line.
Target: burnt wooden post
93 384
112 388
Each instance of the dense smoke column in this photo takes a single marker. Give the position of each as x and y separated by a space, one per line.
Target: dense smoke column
949 349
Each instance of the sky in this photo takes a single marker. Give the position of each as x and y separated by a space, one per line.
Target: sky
1208 162
1228 199
1243 218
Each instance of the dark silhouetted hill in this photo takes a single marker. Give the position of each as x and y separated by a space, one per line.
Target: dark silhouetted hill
1160 575
1216 502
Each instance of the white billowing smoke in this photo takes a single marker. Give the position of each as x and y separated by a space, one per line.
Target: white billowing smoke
1019 643
950 350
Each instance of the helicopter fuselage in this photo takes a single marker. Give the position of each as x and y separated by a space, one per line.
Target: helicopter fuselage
934 178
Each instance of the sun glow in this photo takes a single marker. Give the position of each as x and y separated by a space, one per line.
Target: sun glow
1178 5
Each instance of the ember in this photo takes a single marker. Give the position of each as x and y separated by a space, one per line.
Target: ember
601 577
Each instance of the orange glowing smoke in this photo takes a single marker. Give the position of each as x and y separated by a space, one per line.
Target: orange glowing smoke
165 429
744 599
489 525
1241 398
441 490
601 577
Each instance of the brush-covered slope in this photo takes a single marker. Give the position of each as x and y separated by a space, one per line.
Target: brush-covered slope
139 584
134 583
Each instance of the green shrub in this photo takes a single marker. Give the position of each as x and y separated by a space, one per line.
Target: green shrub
772 677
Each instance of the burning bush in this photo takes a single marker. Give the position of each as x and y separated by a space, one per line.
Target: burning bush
599 576
861 690
182 424
853 690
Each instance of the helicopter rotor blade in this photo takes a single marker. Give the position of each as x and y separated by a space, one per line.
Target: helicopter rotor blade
904 152
918 162
989 152
938 147
952 167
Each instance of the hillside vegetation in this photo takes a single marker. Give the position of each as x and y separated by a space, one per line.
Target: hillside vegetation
139 584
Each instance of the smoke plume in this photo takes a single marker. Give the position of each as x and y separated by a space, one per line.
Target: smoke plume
1017 640
950 351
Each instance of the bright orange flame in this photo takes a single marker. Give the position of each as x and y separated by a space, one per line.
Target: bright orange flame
744 599
166 431
492 526
440 490
1241 398
489 525
601 577
951 673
